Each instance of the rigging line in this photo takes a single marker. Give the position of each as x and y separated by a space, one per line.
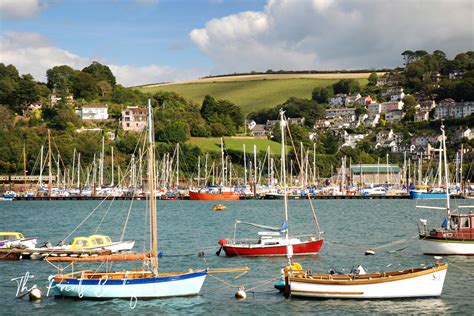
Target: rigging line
300 165
128 216
264 282
84 220
105 214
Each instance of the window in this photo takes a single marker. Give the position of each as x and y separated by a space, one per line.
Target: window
464 222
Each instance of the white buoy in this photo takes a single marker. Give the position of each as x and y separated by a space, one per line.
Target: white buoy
35 294
370 252
241 295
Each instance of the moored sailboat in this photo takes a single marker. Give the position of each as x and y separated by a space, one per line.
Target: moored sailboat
146 282
274 241
456 234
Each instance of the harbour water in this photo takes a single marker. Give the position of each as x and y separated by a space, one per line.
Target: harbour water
187 228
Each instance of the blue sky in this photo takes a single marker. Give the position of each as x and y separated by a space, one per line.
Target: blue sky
146 41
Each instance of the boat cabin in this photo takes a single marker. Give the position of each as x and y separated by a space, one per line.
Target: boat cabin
101 240
11 236
83 243
462 224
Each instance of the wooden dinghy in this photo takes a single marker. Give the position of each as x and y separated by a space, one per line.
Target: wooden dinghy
414 282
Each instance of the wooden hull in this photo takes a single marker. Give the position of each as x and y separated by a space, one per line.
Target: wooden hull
404 284
446 246
254 250
168 285
225 196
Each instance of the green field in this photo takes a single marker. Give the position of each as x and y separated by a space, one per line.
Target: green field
214 144
250 95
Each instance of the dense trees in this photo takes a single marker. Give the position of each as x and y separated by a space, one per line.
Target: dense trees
224 117
347 86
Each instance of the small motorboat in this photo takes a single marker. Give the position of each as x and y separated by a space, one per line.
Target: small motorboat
219 207
426 281
16 240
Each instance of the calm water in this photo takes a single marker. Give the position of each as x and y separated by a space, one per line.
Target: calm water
189 227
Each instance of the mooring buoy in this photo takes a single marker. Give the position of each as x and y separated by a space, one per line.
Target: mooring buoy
241 295
35 294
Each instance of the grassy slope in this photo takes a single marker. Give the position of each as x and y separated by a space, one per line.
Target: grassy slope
250 95
214 144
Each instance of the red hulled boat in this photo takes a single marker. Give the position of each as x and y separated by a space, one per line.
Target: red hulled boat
275 241
214 194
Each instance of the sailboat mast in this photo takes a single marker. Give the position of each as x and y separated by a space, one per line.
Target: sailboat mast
41 168
24 163
446 177
245 167
151 186
177 165
50 180
222 162
112 153
283 166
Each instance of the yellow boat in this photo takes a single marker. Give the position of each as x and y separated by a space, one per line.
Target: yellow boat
101 242
219 207
16 239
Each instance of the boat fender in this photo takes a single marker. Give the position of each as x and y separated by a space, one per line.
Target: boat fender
240 294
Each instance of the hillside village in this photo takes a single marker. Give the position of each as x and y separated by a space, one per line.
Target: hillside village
394 114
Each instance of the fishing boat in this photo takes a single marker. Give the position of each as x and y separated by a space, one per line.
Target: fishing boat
145 282
455 236
274 241
214 194
16 240
421 282
219 207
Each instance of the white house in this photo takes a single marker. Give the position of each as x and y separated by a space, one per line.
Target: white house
424 140
343 112
338 100
351 140
93 112
449 109
374 108
394 116
353 98
456 74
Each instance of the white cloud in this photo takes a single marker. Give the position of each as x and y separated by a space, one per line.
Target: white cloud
334 34
35 54
20 9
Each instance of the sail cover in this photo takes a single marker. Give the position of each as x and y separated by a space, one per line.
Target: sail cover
280 229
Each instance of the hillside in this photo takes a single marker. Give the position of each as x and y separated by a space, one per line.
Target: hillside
235 144
254 92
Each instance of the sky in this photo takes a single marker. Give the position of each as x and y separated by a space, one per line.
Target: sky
150 41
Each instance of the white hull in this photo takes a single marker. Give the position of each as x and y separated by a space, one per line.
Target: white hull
428 285
430 247
120 246
182 285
